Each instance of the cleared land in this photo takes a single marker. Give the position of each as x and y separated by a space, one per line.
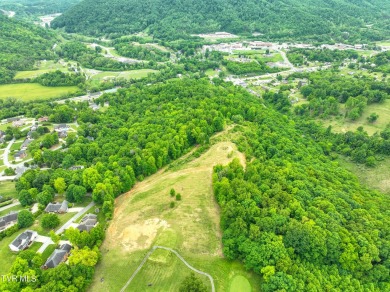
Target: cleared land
377 178
134 74
143 218
42 67
343 125
33 91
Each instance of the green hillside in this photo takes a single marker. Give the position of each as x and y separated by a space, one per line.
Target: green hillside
32 8
320 20
21 44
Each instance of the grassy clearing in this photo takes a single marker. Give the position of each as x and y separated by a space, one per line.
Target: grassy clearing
133 74
377 178
7 189
33 91
143 218
42 67
342 125
240 283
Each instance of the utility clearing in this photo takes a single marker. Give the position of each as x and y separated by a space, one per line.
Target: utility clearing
145 217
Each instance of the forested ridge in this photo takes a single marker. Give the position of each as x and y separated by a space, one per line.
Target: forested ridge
293 215
22 44
315 19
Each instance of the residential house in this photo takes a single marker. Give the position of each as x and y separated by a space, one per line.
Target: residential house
57 207
94 106
58 256
23 241
61 128
63 134
20 155
25 144
76 167
10 120
8 220
43 119
18 123
33 128
88 222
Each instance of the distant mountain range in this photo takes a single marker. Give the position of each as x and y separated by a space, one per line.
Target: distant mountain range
317 20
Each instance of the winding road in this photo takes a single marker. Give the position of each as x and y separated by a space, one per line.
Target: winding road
178 255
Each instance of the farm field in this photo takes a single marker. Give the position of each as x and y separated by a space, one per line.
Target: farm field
143 218
343 125
134 74
33 91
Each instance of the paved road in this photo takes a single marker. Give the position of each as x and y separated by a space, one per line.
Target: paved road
6 153
179 256
74 218
9 206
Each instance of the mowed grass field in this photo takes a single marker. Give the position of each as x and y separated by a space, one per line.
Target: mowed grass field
133 74
34 91
143 218
343 125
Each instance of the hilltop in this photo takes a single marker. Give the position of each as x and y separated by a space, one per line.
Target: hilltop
318 20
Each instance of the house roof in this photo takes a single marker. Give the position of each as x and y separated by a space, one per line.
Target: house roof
88 222
20 153
61 126
22 241
11 217
26 143
58 256
57 207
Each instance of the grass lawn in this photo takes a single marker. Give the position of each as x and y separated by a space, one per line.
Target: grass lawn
4 127
33 91
340 124
7 189
143 218
7 256
134 74
45 232
377 177
48 251
240 283
15 208
16 145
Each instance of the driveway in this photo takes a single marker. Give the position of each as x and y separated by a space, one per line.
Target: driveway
46 242
74 218
9 206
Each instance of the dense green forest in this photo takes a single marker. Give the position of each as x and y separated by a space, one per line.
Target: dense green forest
301 56
293 215
33 8
314 19
21 44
